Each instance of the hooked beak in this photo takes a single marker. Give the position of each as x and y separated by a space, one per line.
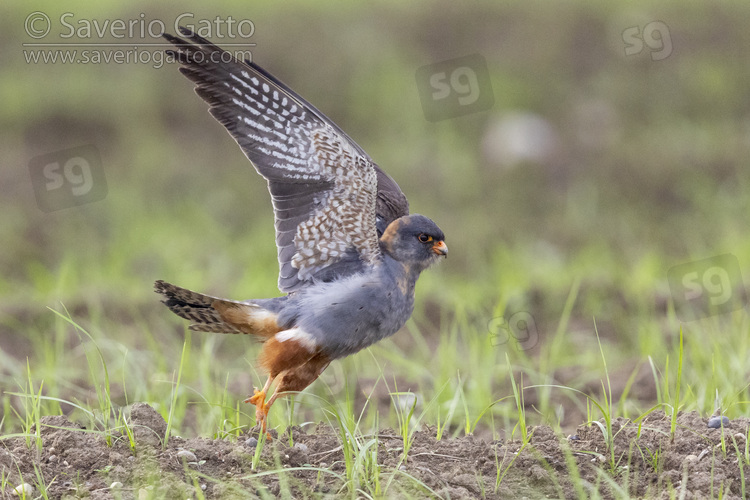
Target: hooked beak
440 248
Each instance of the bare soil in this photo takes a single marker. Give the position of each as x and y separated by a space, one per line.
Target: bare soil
74 463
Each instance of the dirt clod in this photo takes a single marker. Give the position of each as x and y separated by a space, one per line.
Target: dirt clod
149 428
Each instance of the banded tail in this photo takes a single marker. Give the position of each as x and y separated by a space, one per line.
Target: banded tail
214 314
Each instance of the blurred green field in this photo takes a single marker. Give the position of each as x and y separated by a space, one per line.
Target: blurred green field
642 165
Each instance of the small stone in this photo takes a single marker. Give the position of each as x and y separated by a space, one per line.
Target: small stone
403 467
301 447
53 458
251 442
51 450
65 463
188 455
691 458
24 490
115 486
740 437
573 437
203 487
717 422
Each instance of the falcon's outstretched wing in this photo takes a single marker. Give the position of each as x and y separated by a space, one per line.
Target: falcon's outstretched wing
331 201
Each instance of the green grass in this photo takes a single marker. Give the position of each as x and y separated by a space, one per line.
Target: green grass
454 403
463 383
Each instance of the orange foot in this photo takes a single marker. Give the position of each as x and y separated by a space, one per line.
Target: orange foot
261 409
261 415
258 396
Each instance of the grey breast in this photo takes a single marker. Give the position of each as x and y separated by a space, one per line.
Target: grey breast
350 314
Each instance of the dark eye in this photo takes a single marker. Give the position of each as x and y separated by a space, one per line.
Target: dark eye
424 238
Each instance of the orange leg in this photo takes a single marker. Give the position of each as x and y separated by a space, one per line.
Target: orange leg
295 362
296 379
258 399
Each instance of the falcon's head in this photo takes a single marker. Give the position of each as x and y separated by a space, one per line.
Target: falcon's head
415 241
